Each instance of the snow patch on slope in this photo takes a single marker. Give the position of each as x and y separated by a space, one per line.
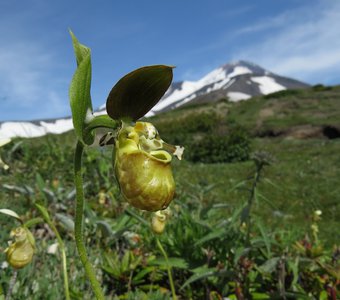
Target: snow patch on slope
237 96
27 129
58 127
239 70
267 84
217 78
187 88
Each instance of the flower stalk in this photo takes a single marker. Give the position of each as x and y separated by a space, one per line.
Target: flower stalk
61 244
78 230
172 285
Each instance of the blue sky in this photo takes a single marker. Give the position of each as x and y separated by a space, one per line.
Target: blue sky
295 38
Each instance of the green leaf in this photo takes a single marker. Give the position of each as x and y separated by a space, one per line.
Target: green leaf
142 274
43 212
293 266
33 222
137 92
10 213
105 228
125 262
81 51
218 233
265 237
270 203
2 296
269 266
259 296
79 93
65 220
207 272
174 262
245 214
237 186
25 190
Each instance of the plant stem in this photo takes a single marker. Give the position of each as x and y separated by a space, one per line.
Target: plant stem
11 284
172 286
61 244
63 255
251 201
102 121
78 180
2 297
33 222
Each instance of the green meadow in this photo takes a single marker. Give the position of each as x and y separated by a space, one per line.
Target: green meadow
243 219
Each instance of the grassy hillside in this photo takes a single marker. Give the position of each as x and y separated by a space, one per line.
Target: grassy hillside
279 113
300 128
299 133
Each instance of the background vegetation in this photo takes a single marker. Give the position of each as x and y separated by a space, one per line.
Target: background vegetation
243 224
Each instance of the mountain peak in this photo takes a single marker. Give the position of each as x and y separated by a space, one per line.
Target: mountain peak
237 80
250 66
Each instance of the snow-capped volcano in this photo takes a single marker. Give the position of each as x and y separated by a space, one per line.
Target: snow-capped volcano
236 81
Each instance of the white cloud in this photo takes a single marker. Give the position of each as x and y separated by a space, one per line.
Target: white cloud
26 81
305 43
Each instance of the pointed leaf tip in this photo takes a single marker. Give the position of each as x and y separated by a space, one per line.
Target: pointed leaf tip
137 92
10 213
79 92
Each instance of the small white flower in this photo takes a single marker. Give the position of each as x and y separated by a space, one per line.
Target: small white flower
4 265
318 212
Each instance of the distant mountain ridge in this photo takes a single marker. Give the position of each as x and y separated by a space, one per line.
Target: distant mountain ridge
236 81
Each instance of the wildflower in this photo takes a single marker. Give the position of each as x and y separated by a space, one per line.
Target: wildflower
143 166
159 219
21 251
317 215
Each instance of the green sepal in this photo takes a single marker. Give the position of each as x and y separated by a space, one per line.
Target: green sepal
137 92
79 93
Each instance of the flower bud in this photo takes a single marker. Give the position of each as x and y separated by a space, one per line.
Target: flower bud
159 219
20 252
143 167
158 224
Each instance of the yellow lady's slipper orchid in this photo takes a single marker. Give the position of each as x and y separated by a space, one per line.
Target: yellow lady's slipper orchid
143 166
20 252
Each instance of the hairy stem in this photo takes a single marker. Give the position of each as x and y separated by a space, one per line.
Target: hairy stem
172 286
78 180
